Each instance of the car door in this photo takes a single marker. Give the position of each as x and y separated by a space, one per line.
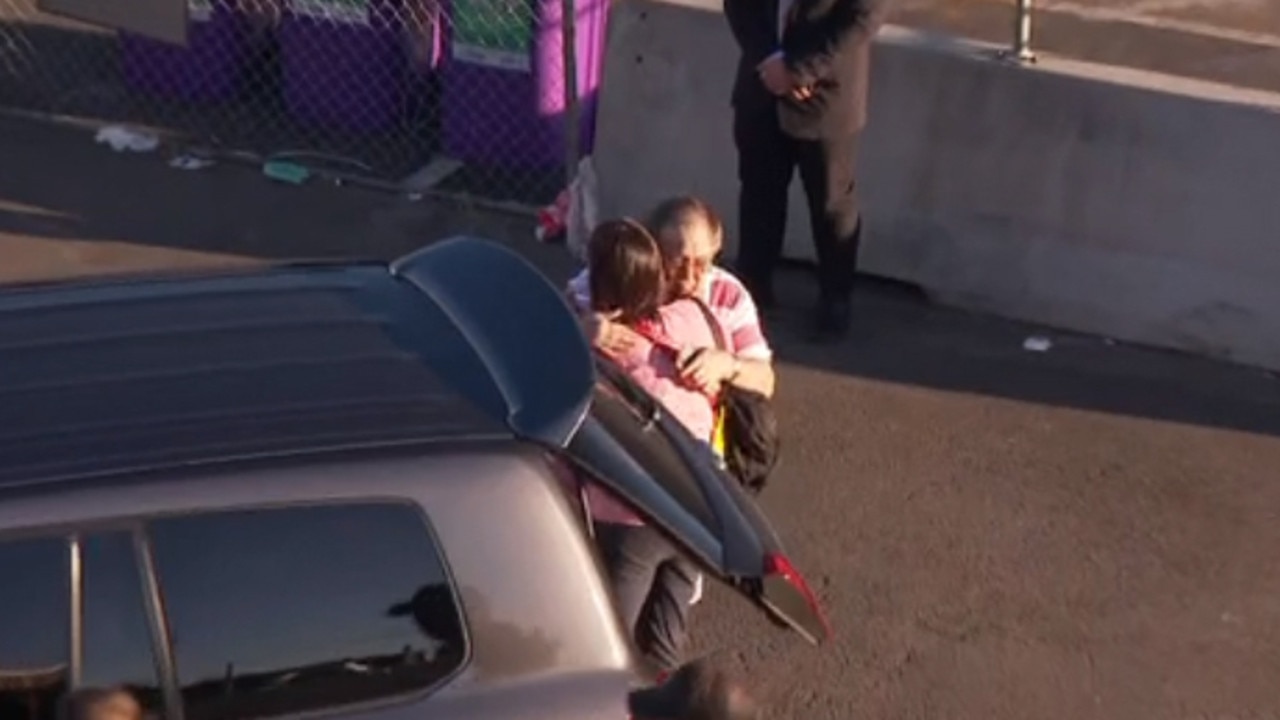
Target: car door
545 383
630 443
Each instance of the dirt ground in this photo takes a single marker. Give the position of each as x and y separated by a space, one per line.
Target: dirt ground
1090 532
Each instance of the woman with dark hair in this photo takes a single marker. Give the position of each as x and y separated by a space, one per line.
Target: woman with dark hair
653 584
628 281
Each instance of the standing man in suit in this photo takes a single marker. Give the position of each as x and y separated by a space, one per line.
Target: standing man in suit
800 101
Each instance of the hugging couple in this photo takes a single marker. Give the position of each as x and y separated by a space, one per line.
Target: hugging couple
653 300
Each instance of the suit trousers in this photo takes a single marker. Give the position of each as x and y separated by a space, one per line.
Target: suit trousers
767 160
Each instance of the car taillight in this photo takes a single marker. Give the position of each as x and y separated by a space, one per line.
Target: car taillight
778 566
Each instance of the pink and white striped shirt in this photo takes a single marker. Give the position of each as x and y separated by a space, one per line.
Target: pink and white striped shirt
730 302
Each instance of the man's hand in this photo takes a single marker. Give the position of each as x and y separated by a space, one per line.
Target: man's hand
605 334
706 369
775 75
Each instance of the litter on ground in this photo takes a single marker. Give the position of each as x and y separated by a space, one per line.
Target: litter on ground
123 139
188 162
1037 343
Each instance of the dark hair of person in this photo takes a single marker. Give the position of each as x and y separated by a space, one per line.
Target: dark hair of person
697 691
626 272
80 704
677 211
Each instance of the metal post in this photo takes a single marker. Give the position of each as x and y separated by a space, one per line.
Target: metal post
1021 51
76 656
573 119
1022 34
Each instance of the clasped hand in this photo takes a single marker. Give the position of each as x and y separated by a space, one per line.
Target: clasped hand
705 369
781 81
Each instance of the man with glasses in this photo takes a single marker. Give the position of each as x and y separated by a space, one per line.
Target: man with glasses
691 236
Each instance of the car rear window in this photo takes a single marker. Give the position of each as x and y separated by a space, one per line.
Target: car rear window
280 611
269 612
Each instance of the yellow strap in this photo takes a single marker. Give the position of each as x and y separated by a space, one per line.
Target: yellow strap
717 433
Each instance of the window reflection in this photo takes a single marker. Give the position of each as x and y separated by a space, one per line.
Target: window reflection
34 628
285 610
117 655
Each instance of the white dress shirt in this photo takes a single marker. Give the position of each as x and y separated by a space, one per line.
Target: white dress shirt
784 7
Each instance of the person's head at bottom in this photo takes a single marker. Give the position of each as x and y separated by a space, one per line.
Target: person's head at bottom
697 691
691 236
103 704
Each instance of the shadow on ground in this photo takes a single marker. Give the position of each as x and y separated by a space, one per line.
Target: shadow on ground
901 337
68 207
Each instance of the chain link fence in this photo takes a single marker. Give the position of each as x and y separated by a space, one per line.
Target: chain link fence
482 98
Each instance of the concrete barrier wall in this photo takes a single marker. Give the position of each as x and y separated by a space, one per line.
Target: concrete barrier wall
1098 199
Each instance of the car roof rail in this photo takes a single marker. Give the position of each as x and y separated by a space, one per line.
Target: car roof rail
520 326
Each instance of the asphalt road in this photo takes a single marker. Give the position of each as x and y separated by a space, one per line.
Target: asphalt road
1090 532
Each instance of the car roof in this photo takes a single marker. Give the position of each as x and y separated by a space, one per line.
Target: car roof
99 378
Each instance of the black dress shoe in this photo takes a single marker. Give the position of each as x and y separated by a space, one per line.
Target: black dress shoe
833 321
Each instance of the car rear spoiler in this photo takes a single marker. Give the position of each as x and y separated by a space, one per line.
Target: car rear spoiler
519 325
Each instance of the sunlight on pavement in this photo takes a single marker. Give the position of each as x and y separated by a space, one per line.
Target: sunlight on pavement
43 259
17 208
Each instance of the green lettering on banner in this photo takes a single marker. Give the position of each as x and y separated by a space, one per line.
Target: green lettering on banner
350 11
493 33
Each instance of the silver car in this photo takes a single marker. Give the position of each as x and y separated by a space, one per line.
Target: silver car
339 490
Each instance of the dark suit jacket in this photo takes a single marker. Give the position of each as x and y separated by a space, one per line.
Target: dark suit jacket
827 43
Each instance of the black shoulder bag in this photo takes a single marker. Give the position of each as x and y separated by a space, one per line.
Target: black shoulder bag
751 440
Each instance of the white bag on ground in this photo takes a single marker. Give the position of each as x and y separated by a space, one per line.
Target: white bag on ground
584 210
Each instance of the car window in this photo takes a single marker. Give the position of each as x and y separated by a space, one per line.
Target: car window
626 410
34 628
116 648
281 611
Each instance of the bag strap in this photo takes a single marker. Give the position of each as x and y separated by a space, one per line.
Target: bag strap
717 331
722 344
